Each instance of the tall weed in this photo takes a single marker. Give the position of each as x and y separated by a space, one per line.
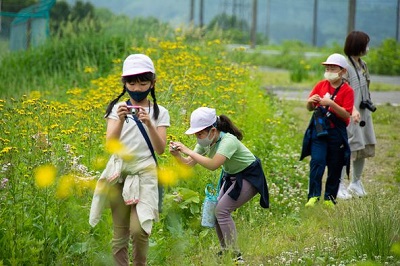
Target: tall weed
368 226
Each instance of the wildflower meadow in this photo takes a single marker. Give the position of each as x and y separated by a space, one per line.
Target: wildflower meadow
52 149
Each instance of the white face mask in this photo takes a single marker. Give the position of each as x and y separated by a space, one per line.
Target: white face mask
331 76
205 142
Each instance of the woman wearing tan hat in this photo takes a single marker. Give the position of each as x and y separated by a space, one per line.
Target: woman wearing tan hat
129 184
331 102
219 139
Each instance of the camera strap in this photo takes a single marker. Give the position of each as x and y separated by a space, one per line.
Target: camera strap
146 137
144 133
358 77
334 94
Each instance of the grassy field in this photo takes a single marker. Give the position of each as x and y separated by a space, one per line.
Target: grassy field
52 149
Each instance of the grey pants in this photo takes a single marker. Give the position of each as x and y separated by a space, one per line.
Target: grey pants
225 226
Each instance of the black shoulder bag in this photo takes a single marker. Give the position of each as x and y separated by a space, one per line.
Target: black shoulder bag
321 116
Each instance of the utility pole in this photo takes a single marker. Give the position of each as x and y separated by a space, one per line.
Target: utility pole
201 13
351 21
253 36
398 21
315 23
268 26
191 19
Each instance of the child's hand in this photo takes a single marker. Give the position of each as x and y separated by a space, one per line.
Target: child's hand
314 99
122 112
356 116
173 148
176 147
326 101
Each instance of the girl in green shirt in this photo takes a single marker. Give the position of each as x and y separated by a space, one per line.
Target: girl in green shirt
219 144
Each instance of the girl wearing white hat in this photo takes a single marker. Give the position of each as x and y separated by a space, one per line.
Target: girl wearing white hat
219 139
130 187
325 139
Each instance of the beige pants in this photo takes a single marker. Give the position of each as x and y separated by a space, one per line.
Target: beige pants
127 225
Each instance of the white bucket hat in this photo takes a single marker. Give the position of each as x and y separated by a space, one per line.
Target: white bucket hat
137 64
337 60
200 119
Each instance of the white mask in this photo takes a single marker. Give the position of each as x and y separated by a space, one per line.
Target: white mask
205 142
331 76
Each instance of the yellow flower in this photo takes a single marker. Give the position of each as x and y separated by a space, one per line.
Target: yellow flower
114 146
167 176
89 69
6 149
45 175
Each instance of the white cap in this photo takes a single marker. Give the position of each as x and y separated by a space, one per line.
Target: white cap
337 60
137 64
200 119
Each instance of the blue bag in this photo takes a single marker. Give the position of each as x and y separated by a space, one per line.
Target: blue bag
210 202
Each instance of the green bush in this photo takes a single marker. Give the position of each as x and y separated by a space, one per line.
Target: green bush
385 59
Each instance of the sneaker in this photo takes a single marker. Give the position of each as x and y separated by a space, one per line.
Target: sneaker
311 201
343 193
357 188
329 203
239 259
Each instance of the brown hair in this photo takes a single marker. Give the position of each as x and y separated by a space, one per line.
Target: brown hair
356 43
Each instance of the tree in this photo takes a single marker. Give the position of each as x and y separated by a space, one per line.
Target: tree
62 12
15 6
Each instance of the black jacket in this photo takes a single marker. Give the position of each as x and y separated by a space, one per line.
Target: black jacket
254 174
340 126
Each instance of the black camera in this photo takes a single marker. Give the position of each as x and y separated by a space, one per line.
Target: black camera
367 104
320 122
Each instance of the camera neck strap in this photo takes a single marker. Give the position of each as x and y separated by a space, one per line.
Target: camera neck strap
144 133
358 75
335 92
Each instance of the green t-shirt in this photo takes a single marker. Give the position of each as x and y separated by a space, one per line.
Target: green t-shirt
238 156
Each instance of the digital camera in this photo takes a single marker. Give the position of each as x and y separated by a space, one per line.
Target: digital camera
134 109
367 104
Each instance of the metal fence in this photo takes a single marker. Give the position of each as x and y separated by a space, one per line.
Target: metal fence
281 20
30 26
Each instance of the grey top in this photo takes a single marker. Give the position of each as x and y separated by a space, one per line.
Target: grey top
360 136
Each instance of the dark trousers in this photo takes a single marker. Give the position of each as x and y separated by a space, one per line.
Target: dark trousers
326 152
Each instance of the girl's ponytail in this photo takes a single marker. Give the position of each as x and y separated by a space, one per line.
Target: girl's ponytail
113 102
225 124
155 105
